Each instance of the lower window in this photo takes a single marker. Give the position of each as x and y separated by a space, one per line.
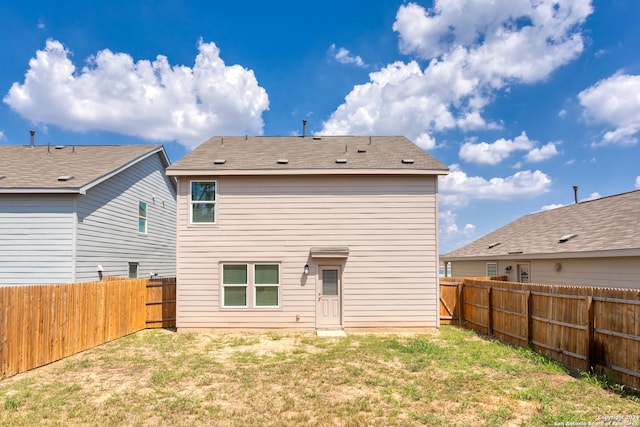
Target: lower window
133 270
492 269
250 285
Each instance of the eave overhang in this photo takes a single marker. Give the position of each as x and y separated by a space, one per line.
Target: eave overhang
612 253
274 172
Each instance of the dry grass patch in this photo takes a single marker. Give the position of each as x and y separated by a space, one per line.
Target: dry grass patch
449 378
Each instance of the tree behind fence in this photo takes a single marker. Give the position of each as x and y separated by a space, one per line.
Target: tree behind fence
44 323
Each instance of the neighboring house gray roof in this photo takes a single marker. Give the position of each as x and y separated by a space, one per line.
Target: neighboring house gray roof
66 169
257 155
609 226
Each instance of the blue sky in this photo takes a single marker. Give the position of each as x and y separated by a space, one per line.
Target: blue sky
521 99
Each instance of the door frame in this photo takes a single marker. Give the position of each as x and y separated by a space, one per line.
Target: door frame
520 268
318 294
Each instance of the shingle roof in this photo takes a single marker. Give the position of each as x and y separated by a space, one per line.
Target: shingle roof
43 168
294 154
603 225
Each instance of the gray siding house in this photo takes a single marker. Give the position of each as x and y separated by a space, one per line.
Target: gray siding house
73 214
592 243
307 233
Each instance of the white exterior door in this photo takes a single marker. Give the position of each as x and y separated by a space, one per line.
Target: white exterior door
523 273
329 297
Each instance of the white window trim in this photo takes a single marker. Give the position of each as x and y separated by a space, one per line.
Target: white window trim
251 287
146 217
255 286
214 203
487 269
137 265
234 285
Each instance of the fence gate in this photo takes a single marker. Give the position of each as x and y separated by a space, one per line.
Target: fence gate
161 303
449 303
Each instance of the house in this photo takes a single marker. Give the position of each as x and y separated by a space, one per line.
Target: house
594 243
307 232
73 214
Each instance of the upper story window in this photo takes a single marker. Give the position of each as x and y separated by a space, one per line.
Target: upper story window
142 218
203 202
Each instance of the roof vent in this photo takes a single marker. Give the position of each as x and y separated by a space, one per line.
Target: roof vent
317 138
407 161
219 161
341 160
65 177
362 150
566 238
2 176
283 161
493 245
515 252
59 147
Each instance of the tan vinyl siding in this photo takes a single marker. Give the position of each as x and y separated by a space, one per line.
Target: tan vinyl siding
469 268
602 272
612 272
388 223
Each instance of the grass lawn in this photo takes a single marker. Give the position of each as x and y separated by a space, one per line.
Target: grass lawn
447 378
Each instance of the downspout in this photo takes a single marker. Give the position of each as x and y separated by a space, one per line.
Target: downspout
74 237
437 256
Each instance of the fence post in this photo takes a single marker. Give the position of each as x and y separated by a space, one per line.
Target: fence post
527 319
490 323
461 303
589 332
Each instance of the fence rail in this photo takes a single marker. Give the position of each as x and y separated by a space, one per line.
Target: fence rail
43 323
581 327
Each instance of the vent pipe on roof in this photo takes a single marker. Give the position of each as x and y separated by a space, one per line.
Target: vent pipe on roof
304 128
575 193
33 140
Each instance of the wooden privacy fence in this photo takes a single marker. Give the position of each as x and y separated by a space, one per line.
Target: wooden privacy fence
43 323
581 327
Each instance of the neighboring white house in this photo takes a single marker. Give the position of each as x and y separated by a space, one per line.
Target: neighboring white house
72 214
307 232
594 243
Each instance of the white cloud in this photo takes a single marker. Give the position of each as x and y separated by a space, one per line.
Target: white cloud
457 188
614 101
148 99
2 137
426 141
543 153
343 56
451 235
499 150
592 196
495 152
637 181
552 206
474 48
